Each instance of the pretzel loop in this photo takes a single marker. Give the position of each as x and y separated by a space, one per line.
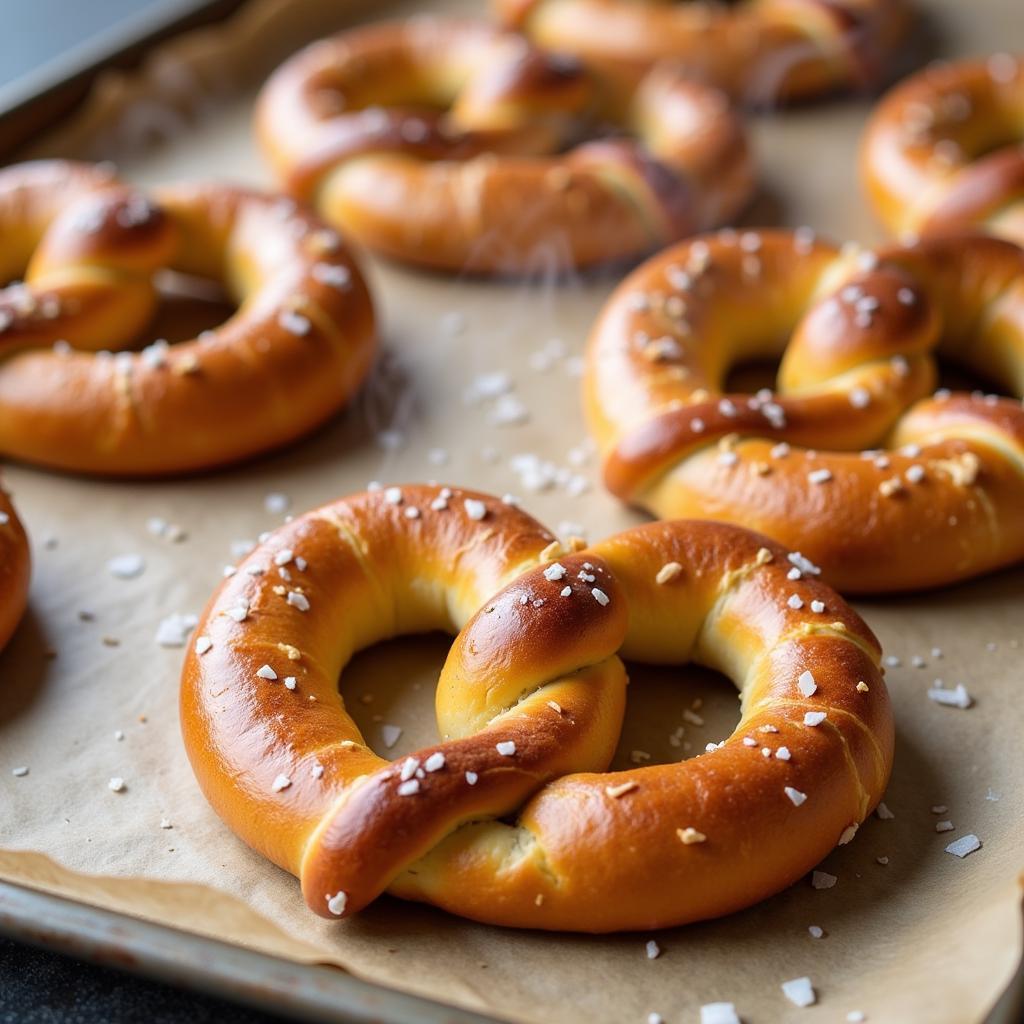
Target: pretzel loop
760 51
299 345
530 705
944 150
849 460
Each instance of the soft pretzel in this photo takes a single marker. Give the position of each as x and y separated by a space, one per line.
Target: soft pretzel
88 246
944 151
760 51
15 566
529 708
454 145
853 460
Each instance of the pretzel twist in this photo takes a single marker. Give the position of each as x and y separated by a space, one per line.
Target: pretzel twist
944 150
454 145
15 569
89 247
759 51
852 461
529 707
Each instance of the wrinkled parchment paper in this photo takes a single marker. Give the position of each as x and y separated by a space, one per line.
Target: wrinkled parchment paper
86 694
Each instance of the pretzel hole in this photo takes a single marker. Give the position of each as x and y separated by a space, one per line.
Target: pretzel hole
672 713
751 375
188 305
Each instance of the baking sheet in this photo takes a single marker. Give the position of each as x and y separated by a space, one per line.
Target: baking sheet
923 937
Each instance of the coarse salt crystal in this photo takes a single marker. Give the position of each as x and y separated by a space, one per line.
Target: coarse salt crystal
690 836
435 762
336 903
475 509
795 796
276 503
813 718
506 747
266 672
806 684
958 697
799 992
174 630
964 845
719 1013
668 572
126 567
822 880
280 783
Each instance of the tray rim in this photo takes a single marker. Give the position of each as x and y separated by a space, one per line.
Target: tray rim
311 992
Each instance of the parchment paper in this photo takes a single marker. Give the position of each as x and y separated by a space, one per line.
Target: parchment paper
925 937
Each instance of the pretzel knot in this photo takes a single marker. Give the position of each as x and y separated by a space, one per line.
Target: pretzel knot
944 150
455 145
760 51
853 460
510 819
90 249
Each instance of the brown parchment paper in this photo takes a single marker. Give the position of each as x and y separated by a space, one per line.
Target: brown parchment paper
925 937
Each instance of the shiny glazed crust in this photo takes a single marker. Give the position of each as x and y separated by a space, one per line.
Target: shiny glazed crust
944 151
299 345
15 569
529 707
854 461
454 145
760 51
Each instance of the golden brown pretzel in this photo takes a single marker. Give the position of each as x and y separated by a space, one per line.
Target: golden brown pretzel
454 145
944 150
15 567
529 707
760 51
852 461
88 246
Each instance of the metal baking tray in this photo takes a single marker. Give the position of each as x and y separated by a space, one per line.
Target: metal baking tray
267 983
307 992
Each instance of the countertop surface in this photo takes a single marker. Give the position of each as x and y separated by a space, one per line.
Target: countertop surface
38 987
